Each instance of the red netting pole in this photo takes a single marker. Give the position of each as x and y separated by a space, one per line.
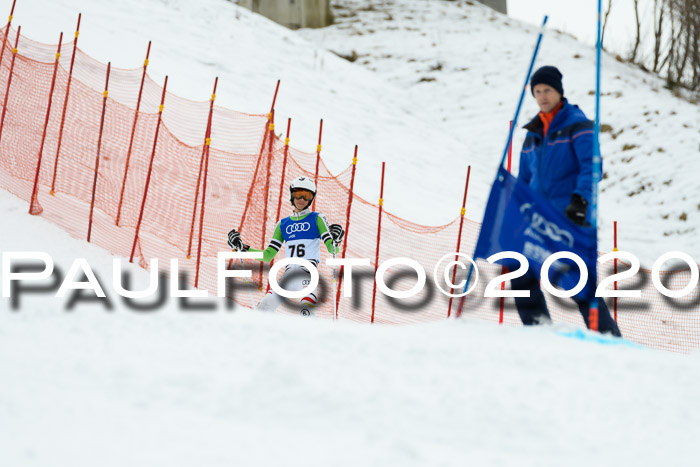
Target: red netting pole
150 171
271 135
274 97
284 171
504 269
7 31
318 160
196 197
9 82
459 236
207 136
347 229
615 270
65 106
379 236
257 166
99 147
284 166
34 207
133 132
207 144
255 174
267 188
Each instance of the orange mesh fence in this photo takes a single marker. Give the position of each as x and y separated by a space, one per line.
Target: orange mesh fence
242 172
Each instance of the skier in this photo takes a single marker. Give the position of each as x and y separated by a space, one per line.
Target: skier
557 162
303 233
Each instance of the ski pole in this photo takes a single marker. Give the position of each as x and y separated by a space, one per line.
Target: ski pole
335 285
247 283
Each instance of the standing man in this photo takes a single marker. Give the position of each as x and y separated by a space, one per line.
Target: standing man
302 233
557 162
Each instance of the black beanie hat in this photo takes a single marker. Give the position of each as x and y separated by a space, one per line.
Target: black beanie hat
549 75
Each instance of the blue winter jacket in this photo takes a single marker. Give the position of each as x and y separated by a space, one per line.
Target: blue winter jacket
562 163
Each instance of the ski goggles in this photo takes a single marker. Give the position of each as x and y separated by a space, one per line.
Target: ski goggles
302 194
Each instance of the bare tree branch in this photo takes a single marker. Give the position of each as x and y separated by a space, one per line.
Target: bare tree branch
638 34
605 23
658 32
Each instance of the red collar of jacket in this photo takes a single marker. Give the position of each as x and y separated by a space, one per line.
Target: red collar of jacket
549 116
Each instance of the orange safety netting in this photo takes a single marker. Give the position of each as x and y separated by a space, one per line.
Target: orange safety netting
243 179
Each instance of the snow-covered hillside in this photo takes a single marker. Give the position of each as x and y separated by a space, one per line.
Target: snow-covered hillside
432 91
114 386
461 65
95 386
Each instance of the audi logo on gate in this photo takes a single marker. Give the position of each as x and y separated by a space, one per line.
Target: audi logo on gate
298 227
545 227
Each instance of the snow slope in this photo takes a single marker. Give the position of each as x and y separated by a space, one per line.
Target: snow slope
249 53
173 387
461 67
113 387
427 131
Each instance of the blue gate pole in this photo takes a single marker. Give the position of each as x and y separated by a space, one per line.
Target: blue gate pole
510 137
522 93
593 308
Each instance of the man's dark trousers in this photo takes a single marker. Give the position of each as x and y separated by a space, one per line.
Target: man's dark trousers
533 309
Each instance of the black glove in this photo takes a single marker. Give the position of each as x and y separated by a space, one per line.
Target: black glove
576 211
337 233
235 242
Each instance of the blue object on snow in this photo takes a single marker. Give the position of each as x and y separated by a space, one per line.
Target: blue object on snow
604 339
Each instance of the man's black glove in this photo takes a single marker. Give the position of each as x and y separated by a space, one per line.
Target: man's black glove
576 211
235 242
337 233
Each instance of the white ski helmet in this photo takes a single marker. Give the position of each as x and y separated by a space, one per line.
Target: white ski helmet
302 183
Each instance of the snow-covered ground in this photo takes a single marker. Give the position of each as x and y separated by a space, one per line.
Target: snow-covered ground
173 387
98 386
432 91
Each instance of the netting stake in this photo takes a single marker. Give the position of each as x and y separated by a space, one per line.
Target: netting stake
207 135
131 139
34 207
347 230
150 170
267 188
65 106
284 170
459 235
318 160
281 197
7 30
257 166
9 82
99 148
379 236
274 98
204 195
